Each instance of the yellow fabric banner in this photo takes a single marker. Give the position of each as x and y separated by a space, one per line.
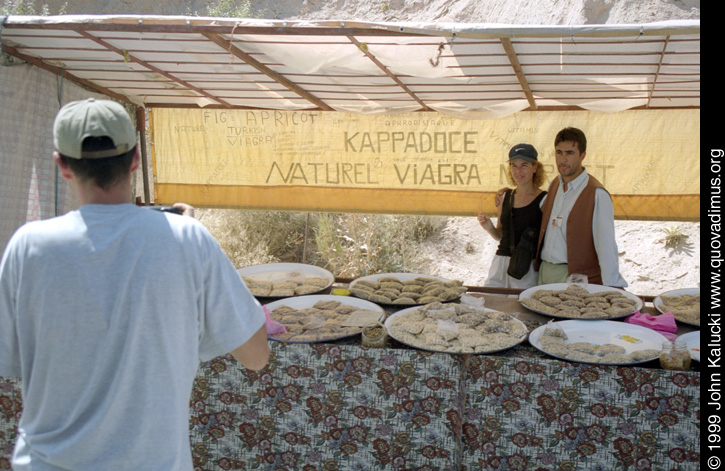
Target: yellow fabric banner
420 163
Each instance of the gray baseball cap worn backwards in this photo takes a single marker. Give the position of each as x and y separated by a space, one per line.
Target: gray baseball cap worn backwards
93 118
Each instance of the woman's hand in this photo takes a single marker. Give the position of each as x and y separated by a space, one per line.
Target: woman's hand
488 226
485 222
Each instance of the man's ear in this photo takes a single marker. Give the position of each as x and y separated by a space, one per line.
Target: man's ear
65 170
136 161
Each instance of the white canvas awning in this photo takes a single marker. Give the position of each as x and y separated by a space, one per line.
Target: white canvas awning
462 70
348 116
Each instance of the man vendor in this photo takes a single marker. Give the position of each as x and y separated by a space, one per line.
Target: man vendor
577 227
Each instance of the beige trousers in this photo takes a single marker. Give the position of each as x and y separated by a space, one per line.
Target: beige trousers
552 273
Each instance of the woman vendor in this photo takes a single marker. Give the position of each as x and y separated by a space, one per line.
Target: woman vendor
519 216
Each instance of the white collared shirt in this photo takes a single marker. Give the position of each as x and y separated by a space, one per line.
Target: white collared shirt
605 242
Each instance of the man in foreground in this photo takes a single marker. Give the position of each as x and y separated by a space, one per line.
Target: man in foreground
577 227
105 313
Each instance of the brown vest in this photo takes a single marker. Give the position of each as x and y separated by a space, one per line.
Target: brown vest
580 252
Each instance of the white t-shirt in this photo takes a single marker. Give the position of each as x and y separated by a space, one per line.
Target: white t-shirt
105 313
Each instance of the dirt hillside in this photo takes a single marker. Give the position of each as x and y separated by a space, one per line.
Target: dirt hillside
552 12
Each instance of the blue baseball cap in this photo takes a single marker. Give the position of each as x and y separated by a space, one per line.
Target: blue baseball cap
525 152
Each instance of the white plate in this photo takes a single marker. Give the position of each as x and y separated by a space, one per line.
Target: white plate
675 292
597 332
692 340
388 323
591 288
401 277
302 302
282 272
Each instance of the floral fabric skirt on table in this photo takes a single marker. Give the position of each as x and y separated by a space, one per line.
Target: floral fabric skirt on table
326 407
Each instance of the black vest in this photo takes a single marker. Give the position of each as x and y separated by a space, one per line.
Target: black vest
528 216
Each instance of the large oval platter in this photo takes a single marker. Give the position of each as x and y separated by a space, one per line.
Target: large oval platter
270 281
630 337
355 289
419 342
527 298
358 309
692 341
684 316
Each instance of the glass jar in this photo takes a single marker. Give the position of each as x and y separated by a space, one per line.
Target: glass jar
675 356
374 334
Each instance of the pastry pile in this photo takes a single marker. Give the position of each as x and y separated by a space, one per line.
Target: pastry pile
685 307
323 321
554 342
420 290
305 285
575 302
456 328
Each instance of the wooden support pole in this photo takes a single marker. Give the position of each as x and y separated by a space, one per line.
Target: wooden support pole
141 127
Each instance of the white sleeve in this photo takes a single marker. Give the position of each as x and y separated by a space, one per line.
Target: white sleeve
231 314
9 347
605 242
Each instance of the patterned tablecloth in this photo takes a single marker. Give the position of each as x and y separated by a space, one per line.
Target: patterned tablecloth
346 407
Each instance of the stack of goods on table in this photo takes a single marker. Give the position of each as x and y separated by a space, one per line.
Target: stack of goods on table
282 280
456 328
684 304
571 301
406 289
425 312
591 333
319 318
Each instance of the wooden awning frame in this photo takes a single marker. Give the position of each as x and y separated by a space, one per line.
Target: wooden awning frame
474 70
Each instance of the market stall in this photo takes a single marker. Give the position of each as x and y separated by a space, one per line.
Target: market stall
341 405
287 87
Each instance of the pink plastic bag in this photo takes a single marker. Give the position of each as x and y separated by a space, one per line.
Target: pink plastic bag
664 323
273 327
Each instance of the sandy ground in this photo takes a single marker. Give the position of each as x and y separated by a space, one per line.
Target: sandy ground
462 250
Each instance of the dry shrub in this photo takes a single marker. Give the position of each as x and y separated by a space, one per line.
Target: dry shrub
674 238
349 245
355 245
254 237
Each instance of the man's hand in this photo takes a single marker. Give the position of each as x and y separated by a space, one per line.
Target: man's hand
186 209
254 353
499 196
